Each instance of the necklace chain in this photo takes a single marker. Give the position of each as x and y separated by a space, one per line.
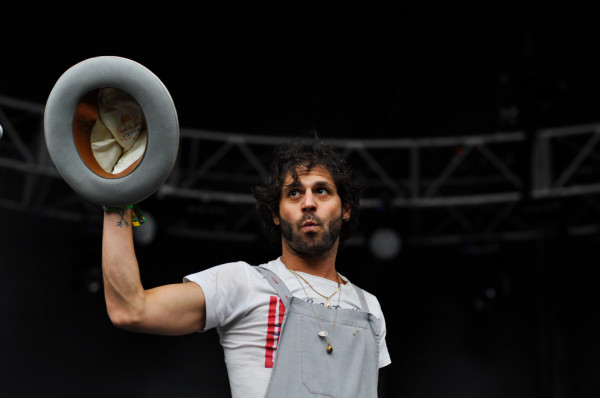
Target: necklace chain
322 332
315 290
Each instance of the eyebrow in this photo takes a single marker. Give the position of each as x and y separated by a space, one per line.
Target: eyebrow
298 184
320 184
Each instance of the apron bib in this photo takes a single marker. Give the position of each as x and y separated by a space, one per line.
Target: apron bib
304 368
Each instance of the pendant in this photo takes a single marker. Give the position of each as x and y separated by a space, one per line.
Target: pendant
329 348
323 333
327 304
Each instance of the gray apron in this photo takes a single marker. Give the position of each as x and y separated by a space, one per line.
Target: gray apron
303 368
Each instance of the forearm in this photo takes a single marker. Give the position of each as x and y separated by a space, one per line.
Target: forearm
123 288
170 309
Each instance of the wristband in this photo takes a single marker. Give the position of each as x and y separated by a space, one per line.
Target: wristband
137 218
117 208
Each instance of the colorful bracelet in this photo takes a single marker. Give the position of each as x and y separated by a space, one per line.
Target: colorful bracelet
137 218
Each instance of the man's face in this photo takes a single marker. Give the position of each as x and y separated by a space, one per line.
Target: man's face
310 213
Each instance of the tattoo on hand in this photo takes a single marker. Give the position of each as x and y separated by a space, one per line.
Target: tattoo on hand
122 222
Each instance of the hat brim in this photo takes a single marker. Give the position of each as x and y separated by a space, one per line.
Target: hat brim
161 120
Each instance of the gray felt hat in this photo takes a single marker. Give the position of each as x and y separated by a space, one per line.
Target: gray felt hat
71 112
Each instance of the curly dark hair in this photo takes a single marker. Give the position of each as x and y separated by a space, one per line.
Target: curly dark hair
307 154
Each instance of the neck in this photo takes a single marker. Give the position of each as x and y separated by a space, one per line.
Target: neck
323 265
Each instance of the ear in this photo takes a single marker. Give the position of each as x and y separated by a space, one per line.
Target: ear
346 212
275 219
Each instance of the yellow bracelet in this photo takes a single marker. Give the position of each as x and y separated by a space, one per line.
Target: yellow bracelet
137 218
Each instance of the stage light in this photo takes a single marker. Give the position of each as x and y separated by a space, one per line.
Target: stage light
146 232
385 243
92 279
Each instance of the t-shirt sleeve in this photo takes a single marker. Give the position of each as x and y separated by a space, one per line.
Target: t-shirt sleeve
384 355
225 290
375 309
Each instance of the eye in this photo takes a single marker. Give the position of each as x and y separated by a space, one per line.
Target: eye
293 193
322 191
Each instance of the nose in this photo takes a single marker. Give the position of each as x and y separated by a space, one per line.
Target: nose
308 204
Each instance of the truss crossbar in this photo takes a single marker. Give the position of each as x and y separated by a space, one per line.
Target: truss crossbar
428 174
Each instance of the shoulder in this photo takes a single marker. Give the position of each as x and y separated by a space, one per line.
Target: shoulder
233 274
372 302
231 290
232 269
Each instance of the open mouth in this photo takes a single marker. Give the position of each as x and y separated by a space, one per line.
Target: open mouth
310 226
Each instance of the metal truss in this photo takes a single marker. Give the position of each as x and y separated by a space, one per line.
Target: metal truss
445 190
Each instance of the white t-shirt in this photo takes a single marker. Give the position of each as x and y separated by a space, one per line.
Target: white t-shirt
245 309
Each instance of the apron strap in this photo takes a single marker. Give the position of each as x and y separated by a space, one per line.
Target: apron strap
282 291
363 300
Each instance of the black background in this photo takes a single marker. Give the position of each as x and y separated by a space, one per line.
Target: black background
412 69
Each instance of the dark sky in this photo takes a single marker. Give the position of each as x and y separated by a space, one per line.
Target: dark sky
362 70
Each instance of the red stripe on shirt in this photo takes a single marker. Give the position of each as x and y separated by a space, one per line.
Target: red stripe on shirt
270 346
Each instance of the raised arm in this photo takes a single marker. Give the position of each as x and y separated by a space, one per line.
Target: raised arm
168 310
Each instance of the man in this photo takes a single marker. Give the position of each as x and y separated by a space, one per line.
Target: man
293 327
